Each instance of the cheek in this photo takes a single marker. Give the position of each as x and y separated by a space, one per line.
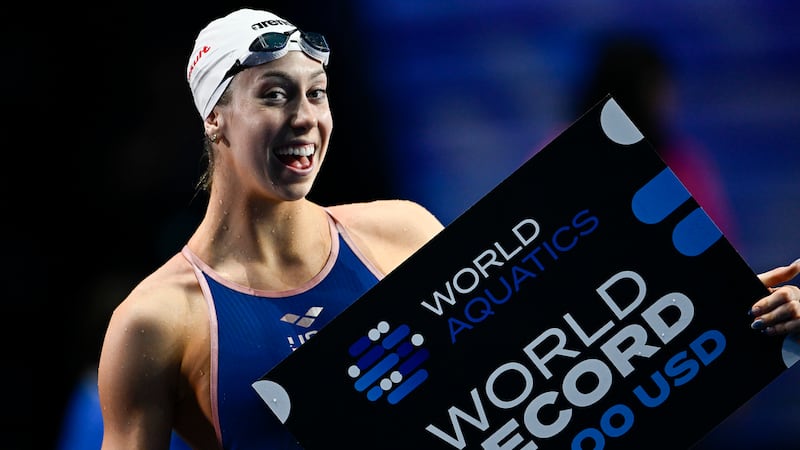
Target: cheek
325 124
259 127
325 116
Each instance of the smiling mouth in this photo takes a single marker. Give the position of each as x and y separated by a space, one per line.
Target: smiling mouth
297 157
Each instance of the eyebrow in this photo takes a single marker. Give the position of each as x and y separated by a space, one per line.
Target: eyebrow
285 75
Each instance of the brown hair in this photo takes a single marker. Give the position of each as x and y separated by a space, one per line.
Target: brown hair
204 183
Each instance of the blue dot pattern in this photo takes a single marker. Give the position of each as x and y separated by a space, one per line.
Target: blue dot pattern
388 363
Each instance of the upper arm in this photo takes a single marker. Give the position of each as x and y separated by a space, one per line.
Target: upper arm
138 373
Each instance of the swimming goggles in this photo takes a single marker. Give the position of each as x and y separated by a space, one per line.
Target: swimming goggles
273 45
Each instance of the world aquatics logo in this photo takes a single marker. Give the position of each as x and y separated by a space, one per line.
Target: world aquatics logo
388 362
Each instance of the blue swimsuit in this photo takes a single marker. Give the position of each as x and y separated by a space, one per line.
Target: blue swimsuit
252 330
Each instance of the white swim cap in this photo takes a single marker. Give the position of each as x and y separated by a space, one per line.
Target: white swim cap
243 38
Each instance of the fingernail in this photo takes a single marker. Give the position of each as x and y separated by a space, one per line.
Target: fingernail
757 325
754 311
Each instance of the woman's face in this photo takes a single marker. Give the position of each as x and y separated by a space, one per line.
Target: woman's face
277 126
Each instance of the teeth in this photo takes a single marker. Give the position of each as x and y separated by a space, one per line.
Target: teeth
305 150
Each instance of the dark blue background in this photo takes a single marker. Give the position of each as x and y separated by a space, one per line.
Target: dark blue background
433 101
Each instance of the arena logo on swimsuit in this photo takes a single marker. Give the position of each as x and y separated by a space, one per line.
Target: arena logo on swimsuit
388 361
304 321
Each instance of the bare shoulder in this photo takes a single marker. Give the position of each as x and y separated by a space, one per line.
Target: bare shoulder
158 318
163 298
148 342
388 231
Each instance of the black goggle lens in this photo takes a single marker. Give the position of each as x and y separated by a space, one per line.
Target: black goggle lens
316 40
270 42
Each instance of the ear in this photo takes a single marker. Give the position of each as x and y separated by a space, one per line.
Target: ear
211 124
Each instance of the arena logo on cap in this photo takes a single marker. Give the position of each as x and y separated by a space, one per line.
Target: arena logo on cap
270 22
388 362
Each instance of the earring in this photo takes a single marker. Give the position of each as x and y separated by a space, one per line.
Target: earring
213 138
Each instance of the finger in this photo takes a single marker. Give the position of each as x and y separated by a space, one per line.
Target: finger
781 274
777 297
779 312
783 328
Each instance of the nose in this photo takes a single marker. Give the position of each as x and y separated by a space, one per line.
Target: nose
304 115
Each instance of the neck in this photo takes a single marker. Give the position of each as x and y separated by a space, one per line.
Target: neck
249 244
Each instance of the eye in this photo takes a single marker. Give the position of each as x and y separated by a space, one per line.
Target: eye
274 95
318 94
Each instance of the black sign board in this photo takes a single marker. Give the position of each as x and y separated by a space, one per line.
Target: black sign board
585 302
